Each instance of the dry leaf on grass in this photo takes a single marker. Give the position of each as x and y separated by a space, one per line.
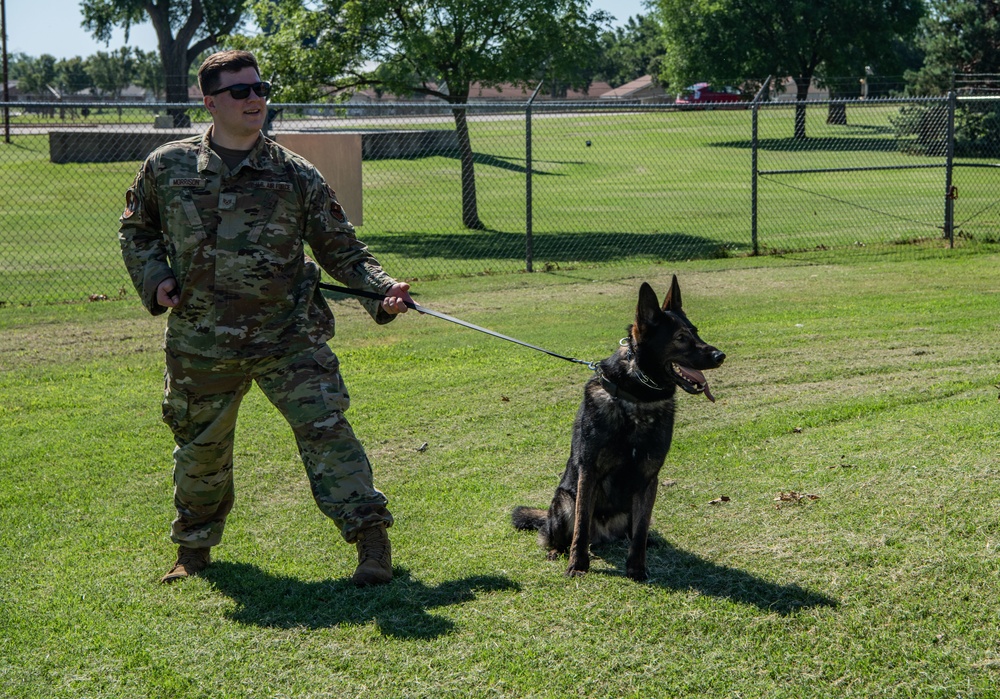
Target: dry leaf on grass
719 501
792 496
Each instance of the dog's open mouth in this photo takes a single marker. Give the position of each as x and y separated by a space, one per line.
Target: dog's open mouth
691 380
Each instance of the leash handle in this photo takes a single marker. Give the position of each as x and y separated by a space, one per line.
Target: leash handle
451 319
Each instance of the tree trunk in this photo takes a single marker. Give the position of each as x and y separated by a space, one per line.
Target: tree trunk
470 209
836 114
175 69
801 94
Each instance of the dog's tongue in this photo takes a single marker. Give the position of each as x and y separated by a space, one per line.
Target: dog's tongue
696 377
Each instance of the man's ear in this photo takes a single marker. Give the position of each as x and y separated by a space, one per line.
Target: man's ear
209 103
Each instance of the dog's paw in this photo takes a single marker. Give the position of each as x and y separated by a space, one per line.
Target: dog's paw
639 575
572 572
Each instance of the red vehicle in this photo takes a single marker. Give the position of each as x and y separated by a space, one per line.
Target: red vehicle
704 94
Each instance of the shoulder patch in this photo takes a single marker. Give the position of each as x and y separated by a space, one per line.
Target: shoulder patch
131 205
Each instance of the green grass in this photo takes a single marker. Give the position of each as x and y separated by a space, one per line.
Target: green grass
652 186
870 384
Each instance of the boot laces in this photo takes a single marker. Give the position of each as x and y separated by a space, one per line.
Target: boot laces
191 556
373 546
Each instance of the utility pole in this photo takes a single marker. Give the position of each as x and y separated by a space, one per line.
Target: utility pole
6 92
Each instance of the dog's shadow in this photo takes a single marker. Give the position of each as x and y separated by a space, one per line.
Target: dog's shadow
400 609
674 569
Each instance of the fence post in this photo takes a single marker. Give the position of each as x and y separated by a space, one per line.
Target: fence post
753 180
6 94
949 190
754 107
528 239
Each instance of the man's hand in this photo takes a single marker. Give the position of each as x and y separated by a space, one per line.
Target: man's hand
396 298
166 293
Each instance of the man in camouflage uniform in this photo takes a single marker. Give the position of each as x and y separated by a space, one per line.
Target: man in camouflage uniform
214 229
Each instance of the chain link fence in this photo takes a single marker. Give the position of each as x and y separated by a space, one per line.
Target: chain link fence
551 185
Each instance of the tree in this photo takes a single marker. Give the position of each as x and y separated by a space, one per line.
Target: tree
753 38
631 51
72 76
184 29
34 75
438 48
148 72
111 72
958 36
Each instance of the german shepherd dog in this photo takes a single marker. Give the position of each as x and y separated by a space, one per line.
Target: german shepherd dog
621 436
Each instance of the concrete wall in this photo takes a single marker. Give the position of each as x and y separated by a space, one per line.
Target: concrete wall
338 155
384 145
80 146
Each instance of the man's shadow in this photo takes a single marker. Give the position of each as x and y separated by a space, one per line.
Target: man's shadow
674 569
400 608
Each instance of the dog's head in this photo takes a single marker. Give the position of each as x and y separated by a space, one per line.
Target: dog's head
666 343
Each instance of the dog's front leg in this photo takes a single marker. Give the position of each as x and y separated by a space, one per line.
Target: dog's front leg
642 515
579 548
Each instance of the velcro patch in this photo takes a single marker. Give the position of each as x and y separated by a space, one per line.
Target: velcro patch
187 182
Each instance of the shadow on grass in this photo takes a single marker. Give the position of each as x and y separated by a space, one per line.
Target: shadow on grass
400 608
550 247
674 569
839 144
500 162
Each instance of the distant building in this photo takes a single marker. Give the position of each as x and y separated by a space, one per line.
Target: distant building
788 91
478 92
517 93
642 89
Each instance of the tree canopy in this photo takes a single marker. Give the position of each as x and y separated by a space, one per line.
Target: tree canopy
437 48
718 40
184 29
960 36
631 51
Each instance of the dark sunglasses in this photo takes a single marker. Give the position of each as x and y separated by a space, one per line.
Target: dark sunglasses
240 91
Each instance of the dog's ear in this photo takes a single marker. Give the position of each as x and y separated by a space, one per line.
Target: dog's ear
673 300
648 310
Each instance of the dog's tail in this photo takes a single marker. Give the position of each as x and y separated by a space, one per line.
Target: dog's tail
528 517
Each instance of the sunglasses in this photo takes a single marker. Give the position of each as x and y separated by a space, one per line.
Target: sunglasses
240 91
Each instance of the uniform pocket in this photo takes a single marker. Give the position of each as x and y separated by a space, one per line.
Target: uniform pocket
187 229
331 384
175 407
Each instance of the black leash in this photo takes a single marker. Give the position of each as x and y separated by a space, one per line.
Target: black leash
451 319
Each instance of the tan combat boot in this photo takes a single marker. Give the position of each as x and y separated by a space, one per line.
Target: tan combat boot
374 557
189 562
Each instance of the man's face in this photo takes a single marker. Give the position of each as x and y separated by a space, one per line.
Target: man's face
234 117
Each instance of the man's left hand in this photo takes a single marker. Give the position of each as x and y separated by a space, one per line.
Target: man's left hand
396 298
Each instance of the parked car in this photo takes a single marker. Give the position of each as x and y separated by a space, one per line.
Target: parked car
704 94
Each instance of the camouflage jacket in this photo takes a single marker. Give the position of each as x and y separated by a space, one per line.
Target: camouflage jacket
235 243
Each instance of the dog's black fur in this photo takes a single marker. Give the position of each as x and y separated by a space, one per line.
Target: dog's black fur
621 436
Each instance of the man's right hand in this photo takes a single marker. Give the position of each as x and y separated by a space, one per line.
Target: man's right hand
167 293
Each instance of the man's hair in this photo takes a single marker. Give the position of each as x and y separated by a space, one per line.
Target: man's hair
209 74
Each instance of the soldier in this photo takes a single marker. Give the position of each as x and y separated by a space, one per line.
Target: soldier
213 229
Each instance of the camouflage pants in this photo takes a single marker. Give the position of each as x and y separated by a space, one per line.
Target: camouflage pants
200 404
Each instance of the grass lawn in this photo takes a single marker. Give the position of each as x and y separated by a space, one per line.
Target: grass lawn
869 384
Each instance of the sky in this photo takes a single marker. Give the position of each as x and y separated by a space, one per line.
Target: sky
35 27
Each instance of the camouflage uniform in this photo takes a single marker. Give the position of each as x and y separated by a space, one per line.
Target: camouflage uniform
250 310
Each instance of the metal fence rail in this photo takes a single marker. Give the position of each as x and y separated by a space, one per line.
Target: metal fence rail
556 184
